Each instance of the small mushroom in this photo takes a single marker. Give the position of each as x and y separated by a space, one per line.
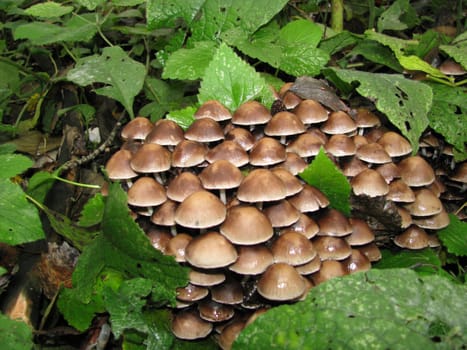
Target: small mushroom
187 325
210 250
281 282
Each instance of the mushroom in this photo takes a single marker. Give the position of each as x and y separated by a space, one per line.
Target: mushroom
373 153
365 119
292 248
426 204
164 215
369 183
146 192
228 150
357 262
221 175
187 324
284 124
310 267
340 146
118 166
395 144
191 293
241 136
261 185
334 223
205 279
151 158
165 133
267 151
309 199
292 184
416 172
293 163
331 248
251 113
188 154
212 311
229 333
329 269
177 246
183 185
311 112
210 250
282 214
281 282
204 130
214 110
412 238
361 233
136 129
252 260
339 123
305 226
230 292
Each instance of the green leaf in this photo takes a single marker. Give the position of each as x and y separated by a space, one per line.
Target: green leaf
93 211
76 29
15 335
324 175
48 9
293 49
399 16
230 80
189 64
123 76
19 219
183 117
379 309
167 13
454 237
457 49
336 43
90 4
424 262
377 53
13 164
405 102
448 116
40 184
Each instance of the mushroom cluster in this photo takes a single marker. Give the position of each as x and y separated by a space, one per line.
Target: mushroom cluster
223 198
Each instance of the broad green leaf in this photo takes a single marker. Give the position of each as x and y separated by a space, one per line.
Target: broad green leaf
78 28
454 237
230 80
40 184
399 16
48 9
379 309
19 219
292 49
336 43
220 16
415 63
424 262
90 4
93 211
7 148
324 175
457 49
448 116
183 117
405 102
167 13
9 78
13 164
123 76
427 41
127 2
15 335
378 53
189 64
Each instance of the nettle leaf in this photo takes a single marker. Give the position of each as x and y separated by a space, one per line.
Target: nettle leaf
189 64
399 16
457 49
378 309
454 237
13 164
183 117
19 219
324 175
48 9
123 76
292 49
15 335
219 16
230 80
93 211
76 29
448 116
405 102
167 13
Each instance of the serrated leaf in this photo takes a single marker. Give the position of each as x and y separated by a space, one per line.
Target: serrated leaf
405 102
167 13
324 175
123 76
183 117
13 164
19 219
15 335
378 309
93 211
78 28
292 49
48 9
399 16
448 116
189 64
454 237
230 80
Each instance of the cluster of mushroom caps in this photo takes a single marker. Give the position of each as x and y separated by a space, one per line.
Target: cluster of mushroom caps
223 198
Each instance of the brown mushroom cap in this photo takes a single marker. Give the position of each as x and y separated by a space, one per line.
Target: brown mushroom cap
361 233
451 67
356 262
310 267
305 145
433 222
329 269
331 248
395 144
364 118
426 203
252 260
228 150
311 112
292 248
229 333
165 133
399 191
177 246
251 113
188 153
261 185
267 151
353 167
284 124
292 183
229 292
214 110
241 136
334 223
371 251
305 226
146 192
406 218
151 158
416 172
460 173
412 238
204 130
282 214
340 146
221 174
369 183
191 293
212 311
373 153
118 166
339 123
309 199
200 209
281 282
188 325
136 129
389 171
246 225
183 185
210 250
159 239
205 279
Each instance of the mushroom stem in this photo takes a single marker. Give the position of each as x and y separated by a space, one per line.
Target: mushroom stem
173 230
222 196
283 140
160 178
